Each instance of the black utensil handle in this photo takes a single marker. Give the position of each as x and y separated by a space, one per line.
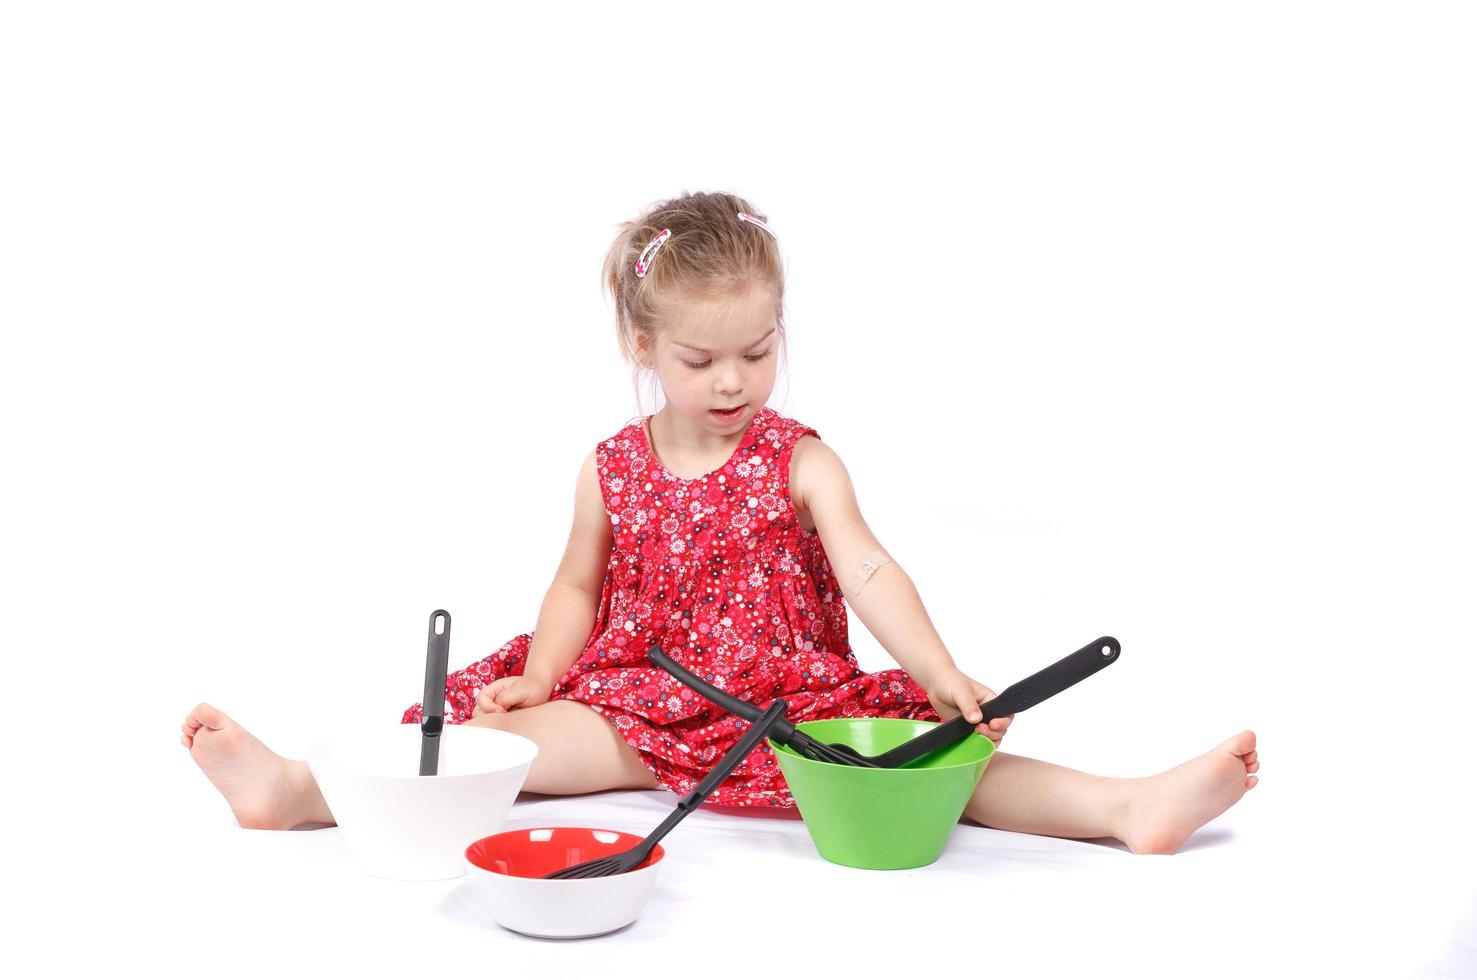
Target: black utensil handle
757 732
438 650
1053 680
764 726
433 699
1019 696
749 712
430 750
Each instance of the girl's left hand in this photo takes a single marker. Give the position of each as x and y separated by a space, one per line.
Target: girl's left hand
953 693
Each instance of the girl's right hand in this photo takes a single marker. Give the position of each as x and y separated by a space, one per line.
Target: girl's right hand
509 694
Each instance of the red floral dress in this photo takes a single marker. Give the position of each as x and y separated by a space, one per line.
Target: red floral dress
718 571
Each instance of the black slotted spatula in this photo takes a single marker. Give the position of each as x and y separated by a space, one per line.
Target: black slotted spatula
1021 695
433 702
1045 683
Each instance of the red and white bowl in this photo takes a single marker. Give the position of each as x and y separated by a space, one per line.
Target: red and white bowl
507 870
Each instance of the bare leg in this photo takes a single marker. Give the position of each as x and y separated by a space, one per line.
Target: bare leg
579 752
1153 815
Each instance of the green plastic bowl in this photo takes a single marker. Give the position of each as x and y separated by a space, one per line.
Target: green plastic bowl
882 819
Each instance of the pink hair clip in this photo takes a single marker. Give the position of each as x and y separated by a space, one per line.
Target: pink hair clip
643 264
756 221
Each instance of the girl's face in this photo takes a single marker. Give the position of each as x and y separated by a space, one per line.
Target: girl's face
719 354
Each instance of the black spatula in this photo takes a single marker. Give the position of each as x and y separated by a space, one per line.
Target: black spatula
1018 697
1045 683
626 860
782 731
433 703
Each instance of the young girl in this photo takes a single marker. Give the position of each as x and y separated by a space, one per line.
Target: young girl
728 534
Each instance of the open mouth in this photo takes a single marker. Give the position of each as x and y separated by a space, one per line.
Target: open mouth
727 413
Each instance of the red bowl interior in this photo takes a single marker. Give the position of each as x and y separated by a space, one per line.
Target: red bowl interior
537 851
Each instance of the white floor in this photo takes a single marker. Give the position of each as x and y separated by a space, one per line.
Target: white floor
191 892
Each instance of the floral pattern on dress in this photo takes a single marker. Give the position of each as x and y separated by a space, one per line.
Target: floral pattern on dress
720 572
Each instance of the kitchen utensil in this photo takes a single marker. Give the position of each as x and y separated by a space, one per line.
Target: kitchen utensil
433 703
1018 697
1045 683
626 860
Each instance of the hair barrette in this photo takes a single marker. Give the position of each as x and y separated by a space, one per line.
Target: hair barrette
643 264
756 221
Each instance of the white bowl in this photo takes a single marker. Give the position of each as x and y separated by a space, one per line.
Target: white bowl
507 872
399 824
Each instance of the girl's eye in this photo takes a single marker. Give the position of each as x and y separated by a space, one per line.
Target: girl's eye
747 357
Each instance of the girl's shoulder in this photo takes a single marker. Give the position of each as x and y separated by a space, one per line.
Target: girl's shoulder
630 430
781 430
626 442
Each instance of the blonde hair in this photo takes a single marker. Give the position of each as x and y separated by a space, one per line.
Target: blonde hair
710 253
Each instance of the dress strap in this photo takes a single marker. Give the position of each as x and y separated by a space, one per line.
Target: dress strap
785 433
619 465
780 439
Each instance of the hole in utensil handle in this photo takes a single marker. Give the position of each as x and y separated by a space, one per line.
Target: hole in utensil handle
438 651
1056 678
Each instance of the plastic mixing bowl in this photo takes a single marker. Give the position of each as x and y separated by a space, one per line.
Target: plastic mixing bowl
882 819
508 872
399 824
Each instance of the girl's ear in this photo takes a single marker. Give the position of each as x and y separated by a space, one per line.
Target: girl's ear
643 346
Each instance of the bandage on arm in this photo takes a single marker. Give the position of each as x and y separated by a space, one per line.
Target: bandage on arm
869 566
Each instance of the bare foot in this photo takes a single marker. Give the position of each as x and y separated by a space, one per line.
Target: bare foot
265 791
1169 807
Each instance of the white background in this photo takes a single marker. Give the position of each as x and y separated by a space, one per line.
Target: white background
1142 319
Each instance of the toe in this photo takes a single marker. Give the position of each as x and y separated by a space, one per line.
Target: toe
1240 744
208 716
1253 767
1251 781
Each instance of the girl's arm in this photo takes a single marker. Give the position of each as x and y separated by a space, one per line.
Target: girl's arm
569 609
886 600
887 603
